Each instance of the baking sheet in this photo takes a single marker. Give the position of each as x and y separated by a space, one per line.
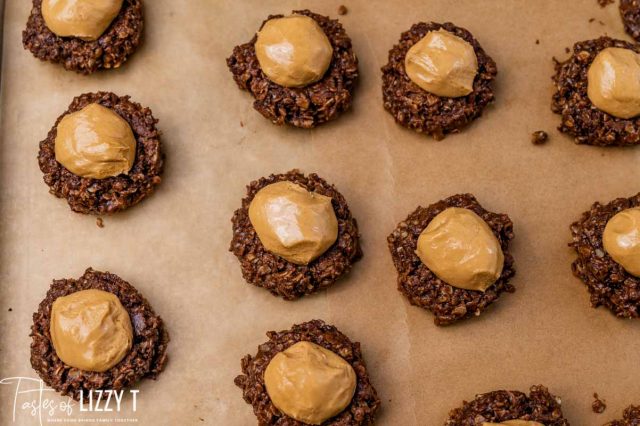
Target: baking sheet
173 247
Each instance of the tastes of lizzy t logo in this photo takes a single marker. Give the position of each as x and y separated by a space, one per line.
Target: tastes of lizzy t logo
31 398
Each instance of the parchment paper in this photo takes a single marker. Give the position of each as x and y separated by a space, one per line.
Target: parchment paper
173 247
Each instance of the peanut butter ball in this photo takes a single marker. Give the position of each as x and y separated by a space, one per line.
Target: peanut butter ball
443 64
460 248
309 383
95 142
90 330
621 239
614 82
293 51
84 19
293 223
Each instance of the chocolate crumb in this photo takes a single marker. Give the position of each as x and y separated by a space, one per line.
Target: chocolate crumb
100 222
342 10
241 124
539 137
567 50
598 406
10 309
592 20
600 22
201 419
605 3
537 41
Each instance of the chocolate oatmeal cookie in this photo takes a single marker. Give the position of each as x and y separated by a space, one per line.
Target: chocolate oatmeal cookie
608 282
499 406
630 12
281 277
423 288
631 417
112 194
146 359
365 402
580 118
308 106
110 50
424 112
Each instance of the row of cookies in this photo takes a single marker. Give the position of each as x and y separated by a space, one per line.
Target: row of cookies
294 235
98 332
312 374
301 69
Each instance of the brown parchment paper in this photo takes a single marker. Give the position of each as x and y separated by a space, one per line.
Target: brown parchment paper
173 247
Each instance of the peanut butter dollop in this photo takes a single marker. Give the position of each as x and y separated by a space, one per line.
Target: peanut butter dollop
84 19
460 248
90 330
293 51
614 82
514 423
292 222
95 142
309 383
621 239
443 64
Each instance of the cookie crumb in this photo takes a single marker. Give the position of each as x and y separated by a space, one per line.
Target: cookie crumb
342 10
100 222
567 50
539 137
605 3
241 123
201 419
598 406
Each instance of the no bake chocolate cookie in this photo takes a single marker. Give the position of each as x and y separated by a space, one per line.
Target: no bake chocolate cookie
502 406
630 417
594 111
426 111
308 100
608 280
84 53
144 357
92 188
349 366
630 12
450 287
301 262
